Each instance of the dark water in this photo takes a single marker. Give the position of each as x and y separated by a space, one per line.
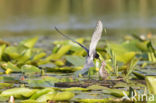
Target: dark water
38 17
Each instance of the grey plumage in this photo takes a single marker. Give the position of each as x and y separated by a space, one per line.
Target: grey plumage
92 48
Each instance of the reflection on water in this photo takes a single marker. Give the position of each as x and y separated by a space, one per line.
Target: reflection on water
40 16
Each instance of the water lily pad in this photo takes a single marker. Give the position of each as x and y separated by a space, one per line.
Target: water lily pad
97 87
29 101
10 66
18 92
29 69
60 96
107 100
75 89
40 83
42 92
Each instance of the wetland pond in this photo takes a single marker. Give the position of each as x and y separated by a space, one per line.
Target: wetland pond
37 64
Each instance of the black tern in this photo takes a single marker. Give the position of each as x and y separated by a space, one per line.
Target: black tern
91 52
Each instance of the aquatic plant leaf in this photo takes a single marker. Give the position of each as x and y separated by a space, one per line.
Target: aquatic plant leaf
24 57
29 101
131 46
47 65
10 66
97 87
75 89
60 96
131 67
5 85
2 47
61 52
122 54
151 84
126 57
12 51
107 100
117 92
18 92
139 75
45 81
39 56
4 99
8 79
40 83
29 69
29 42
142 46
64 69
42 92
120 85
60 62
76 60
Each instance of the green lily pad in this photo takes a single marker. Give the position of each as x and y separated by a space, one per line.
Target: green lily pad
29 101
60 96
18 92
41 92
29 69
97 87
107 100
10 66
75 89
40 83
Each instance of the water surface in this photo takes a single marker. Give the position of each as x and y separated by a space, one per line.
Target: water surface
78 17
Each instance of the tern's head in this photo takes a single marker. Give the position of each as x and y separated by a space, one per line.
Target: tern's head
96 56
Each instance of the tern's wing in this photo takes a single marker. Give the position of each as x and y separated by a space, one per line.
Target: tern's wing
72 40
95 38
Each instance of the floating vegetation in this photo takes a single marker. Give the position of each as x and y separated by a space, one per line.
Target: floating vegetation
30 75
